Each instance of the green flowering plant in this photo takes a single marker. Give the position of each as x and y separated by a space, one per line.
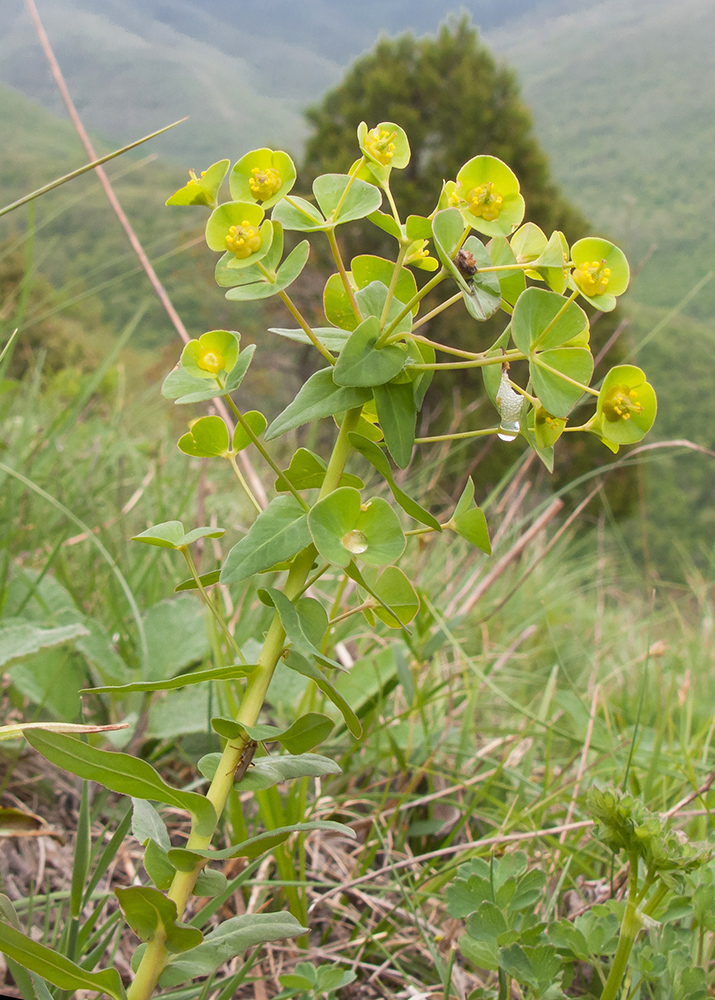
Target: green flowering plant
318 525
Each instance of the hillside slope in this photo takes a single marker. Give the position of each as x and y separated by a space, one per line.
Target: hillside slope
623 96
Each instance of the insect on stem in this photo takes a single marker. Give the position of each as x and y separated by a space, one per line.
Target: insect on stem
245 760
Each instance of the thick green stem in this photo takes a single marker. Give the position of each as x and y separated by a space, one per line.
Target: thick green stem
156 956
630 929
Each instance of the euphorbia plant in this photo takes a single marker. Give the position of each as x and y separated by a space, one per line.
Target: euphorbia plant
322 524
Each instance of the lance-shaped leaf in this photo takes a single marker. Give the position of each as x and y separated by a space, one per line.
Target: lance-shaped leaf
469 521
185 860
361 363
15 731
304 734
559 395
301 665
146 910
342 528
268 771
397 414
376 456
121 773
55 968
298 627
278 533
171 535
328 336
544 320
233 937
286 274
230 673
319 397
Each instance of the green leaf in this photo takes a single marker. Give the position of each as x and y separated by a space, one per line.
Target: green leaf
298 215
296 628
233 937
207 438
285 276
266 772
202 190
329 337
185 860
171 535
367 268
375 455
257 423
146 910
21 639
55 968
157 866
147 824
511 283
418 227
396 591
305 667
544 320
121 773
342 527
487 923
397 414
386 223
207 580
279 532
362 364
337 305
371 300
210 883
469 521
320 397
307 732
557 395
360 200
307 471
230 673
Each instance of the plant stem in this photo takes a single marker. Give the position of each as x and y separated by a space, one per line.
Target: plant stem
244 485
630 929
456 437
409 306
305 327
457 297
393 285
232 644
498 359
337 256
155 957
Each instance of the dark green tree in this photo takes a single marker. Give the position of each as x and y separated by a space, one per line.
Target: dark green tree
454 101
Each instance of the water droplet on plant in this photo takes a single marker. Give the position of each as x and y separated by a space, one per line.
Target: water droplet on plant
355 542
509 430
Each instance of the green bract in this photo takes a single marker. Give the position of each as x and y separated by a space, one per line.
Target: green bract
238 227
600 272
214 353
487 194
201 190
264 175
626 406
385 146
344 529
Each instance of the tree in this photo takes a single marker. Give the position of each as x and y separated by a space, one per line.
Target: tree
453 101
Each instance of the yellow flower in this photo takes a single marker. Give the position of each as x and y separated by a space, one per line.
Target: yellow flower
243 240
379 145
484 202
592 279
264 182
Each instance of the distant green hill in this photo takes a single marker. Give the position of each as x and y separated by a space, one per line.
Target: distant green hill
623 95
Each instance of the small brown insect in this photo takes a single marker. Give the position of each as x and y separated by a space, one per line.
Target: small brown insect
245 760
466 263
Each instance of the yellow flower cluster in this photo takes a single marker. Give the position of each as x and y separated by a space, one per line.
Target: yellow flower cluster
592 279
485 202
621 403
243 240
264 182
380 146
